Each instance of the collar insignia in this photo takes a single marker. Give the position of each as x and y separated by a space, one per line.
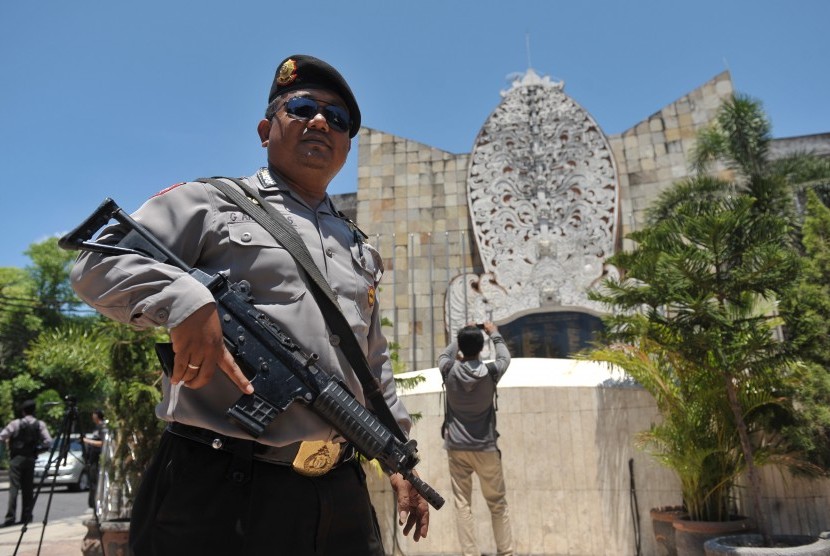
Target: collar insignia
265 178
288 73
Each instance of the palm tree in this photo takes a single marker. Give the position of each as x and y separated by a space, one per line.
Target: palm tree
740 140
690 438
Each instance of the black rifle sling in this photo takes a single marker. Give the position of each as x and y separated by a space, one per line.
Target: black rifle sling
492 370
447 412
282 230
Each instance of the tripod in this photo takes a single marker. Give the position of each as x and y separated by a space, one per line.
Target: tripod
60 445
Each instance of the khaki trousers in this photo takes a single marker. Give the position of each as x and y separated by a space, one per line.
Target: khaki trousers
487 465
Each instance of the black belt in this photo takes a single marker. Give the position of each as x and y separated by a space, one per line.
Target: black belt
277 455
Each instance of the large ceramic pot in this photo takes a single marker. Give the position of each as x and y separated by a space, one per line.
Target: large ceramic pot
662 524
785 545
115 536
91 545
689 536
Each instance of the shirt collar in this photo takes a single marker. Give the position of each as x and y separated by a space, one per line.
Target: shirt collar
271 181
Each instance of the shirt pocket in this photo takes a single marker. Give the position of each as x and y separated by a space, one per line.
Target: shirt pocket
368 267
264 263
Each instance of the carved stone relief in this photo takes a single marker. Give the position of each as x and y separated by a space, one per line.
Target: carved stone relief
542 192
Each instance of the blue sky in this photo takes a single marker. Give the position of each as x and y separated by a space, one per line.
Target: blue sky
110 98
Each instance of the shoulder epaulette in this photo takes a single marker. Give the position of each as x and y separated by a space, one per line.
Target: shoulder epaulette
352 226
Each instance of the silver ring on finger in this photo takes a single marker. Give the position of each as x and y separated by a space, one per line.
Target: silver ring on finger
194 367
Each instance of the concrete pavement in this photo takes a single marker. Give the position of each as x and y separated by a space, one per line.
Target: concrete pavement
60 537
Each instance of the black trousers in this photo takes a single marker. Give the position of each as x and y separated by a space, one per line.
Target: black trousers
197 500
92 472
21 479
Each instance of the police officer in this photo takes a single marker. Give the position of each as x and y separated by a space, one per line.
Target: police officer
25 438
199 496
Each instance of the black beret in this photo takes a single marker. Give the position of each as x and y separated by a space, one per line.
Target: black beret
307 72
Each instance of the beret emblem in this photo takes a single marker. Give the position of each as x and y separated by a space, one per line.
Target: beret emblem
288 72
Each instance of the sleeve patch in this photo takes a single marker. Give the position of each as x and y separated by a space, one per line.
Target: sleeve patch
171 188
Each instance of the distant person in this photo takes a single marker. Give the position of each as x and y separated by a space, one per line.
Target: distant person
470 435
24 438
93 443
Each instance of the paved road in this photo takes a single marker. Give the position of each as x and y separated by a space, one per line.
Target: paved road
64 529
63 503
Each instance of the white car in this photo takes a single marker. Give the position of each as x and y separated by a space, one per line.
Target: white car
72 472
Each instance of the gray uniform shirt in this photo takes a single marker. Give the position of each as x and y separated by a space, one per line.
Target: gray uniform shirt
469 391
209 232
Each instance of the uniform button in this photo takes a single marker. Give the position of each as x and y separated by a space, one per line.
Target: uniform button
216 444
162 315
329 252
334 340
246 237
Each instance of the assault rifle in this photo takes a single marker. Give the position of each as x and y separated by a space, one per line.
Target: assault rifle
280 372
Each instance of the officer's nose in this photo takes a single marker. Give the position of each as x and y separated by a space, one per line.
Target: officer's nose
318 122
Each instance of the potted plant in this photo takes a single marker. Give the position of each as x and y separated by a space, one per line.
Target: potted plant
695 321
686 441
694 324
133 430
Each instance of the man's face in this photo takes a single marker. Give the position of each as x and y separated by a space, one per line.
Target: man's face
306 149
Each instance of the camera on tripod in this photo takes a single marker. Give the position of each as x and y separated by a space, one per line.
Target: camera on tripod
69 400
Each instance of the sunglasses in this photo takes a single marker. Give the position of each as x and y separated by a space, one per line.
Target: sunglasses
304 108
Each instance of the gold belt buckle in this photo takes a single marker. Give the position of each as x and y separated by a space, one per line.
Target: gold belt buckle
316 457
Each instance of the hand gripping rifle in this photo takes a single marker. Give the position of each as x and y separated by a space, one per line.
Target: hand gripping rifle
279 370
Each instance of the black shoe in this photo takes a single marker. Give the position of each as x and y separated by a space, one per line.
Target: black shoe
8 523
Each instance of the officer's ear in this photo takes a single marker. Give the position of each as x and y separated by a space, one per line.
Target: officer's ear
263 129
